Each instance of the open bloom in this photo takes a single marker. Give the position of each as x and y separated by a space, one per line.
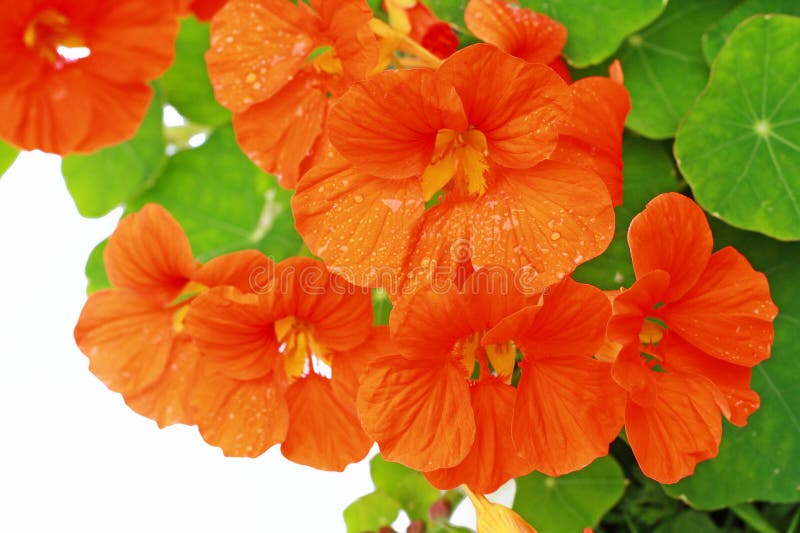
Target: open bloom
474 136
133 333
445 405
73 74
690 328
413 18
282 366
280 64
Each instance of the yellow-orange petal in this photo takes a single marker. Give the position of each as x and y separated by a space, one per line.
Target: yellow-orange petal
418 410
324 431
150 254
378 217
495 518
127 338
244 418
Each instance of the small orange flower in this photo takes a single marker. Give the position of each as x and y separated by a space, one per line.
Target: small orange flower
73 74
279 64
413 18
690 329
133 333
446 405
283 366
475 134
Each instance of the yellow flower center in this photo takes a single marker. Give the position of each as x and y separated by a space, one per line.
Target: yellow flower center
301 352
181 304
495 359
51 37
460 160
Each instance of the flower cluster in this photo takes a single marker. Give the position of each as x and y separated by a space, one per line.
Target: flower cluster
469 184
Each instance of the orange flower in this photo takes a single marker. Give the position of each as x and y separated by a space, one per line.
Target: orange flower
518 31
479 130
413 18
496 518
283 366
279 63
446 405
73 74
133 333
691 327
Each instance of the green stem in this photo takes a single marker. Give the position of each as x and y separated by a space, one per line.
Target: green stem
748 513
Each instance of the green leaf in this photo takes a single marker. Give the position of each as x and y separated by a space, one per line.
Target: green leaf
717 35
648 172
451 11
760 461
687 522
7 156
371 512
381 306
101 181
223 202
96 270
186 84
596 29
739 148
409 488
664 66
572 502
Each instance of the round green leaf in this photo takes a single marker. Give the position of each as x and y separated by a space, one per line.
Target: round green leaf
687 521
762 460
223 202
664 66
596 29
717 35
7 156
572 502
648 172
409 488
186 85
371 512
96 270
101 181
739 148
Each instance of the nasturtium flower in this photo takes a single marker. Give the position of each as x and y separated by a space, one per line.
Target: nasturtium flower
496 518
74 73
277 65
133 333
282 366
690 329
413 18
445 404
518 31
474 136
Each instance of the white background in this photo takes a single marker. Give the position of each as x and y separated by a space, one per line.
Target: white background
73 457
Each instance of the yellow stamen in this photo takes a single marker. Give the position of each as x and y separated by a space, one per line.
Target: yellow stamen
49 31
298 346
503 358
404 42
467 349
651 333
181 302
461 157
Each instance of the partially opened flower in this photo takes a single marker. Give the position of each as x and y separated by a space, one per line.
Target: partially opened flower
277 65
74 73
283 366
690 328
413 18
133 333
475 134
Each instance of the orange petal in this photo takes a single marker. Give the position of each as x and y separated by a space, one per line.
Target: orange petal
632 374
347 367
681 429
728 313
244 418
324 432
431 32
127 338
295 115
377 215
257 48
733 381
568 410
346 23
631 307
548 220
671 234
495 518
247 270
493 458
418 410
518 106
235 335
167 400
518 31
130 41
592 138
371 126
205 9
149 253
